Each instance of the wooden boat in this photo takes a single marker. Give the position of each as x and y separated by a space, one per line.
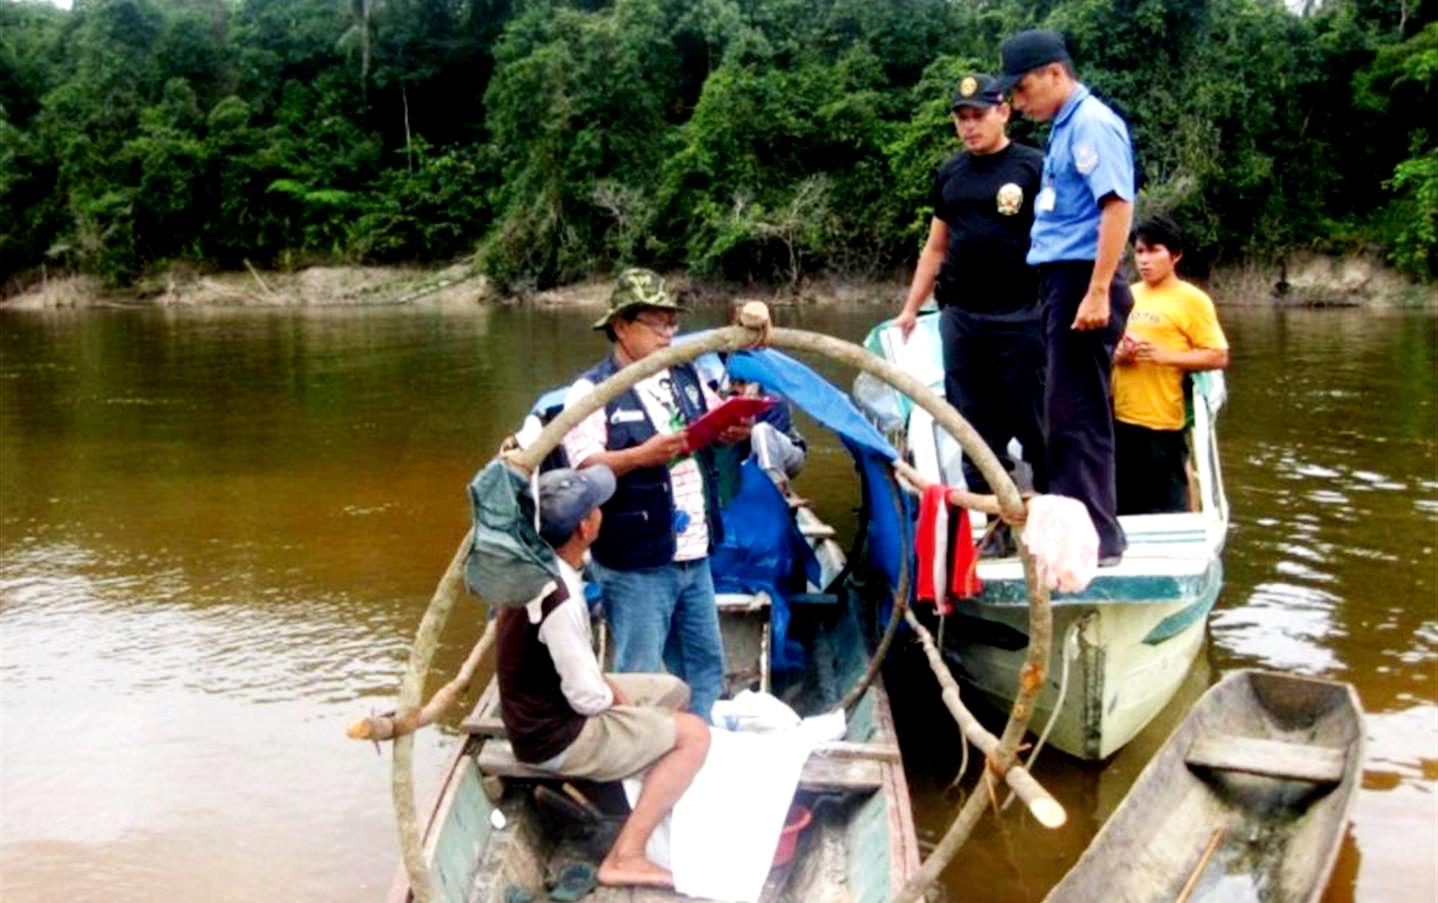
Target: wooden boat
1124 642
860 846
492 826
1248 800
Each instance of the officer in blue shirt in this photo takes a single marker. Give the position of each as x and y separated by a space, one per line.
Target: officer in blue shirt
1081 222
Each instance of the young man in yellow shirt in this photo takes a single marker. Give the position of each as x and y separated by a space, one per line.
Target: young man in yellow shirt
1173 330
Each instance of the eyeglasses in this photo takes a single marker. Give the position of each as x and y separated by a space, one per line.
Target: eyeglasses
660 327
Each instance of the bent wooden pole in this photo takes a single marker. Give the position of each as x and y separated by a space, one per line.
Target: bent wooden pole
451 587
732 338
962 498
1003 757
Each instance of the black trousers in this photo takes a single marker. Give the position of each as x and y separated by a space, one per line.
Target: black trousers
1078 400
993 375
1152 469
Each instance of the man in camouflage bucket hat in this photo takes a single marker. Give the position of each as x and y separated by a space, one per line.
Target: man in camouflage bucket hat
635 291
651 560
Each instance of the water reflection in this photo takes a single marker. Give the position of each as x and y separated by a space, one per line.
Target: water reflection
218 529
1332 450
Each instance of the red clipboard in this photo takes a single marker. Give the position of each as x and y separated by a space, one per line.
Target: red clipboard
707 428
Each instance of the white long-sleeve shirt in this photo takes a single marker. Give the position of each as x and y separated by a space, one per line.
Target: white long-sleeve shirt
568 636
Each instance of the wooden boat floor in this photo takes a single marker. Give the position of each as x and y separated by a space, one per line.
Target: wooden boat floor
524 857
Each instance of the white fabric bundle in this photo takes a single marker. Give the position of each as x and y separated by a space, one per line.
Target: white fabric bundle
719 840
1063 541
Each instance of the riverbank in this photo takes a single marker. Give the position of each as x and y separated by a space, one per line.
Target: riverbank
318 286
328 286
1298 280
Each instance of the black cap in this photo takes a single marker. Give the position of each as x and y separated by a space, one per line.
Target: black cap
977 90
567 496
1027 51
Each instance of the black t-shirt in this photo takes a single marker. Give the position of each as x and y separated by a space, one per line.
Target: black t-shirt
988 204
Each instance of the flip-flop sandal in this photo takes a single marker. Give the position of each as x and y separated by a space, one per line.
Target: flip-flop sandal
516 894
575 880
562 806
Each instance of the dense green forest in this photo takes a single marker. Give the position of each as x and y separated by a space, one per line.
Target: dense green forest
750 139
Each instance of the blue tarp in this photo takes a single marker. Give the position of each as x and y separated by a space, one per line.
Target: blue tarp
872 453
763 551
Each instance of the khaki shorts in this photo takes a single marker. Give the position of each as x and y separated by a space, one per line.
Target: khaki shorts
626 739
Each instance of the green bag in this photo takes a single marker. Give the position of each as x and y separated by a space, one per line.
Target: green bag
508 564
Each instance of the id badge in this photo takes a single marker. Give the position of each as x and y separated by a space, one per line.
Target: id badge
1044 203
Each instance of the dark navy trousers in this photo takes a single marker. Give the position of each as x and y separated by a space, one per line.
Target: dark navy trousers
1078 400
994 376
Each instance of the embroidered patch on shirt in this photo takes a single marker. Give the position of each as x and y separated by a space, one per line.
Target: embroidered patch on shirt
1085 157
1010 199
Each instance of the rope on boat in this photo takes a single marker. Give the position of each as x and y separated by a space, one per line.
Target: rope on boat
900 607
1070 651
1001 758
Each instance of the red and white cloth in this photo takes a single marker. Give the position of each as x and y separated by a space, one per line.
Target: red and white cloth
947 558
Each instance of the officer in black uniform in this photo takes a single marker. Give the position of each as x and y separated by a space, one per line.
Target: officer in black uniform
973 264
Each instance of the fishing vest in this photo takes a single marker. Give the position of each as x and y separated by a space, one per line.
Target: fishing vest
638 527
538 718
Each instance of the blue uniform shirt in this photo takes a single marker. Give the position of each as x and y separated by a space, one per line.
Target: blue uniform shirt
1088 157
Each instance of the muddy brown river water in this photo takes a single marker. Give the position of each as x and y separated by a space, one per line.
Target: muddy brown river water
219 528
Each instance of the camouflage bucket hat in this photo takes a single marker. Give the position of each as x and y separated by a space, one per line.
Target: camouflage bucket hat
637 288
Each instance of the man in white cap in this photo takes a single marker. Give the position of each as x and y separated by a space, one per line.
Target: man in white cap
563 714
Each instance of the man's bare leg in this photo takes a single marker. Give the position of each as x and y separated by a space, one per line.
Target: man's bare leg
666 781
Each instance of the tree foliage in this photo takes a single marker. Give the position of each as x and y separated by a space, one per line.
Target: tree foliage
764 139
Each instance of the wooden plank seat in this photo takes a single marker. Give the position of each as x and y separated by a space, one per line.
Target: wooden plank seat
742 603
1269 758
484 719
833 767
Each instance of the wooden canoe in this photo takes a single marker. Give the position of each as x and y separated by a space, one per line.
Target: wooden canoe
1247 801
859 848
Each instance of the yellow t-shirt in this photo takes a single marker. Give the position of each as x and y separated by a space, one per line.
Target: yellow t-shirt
1176 317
